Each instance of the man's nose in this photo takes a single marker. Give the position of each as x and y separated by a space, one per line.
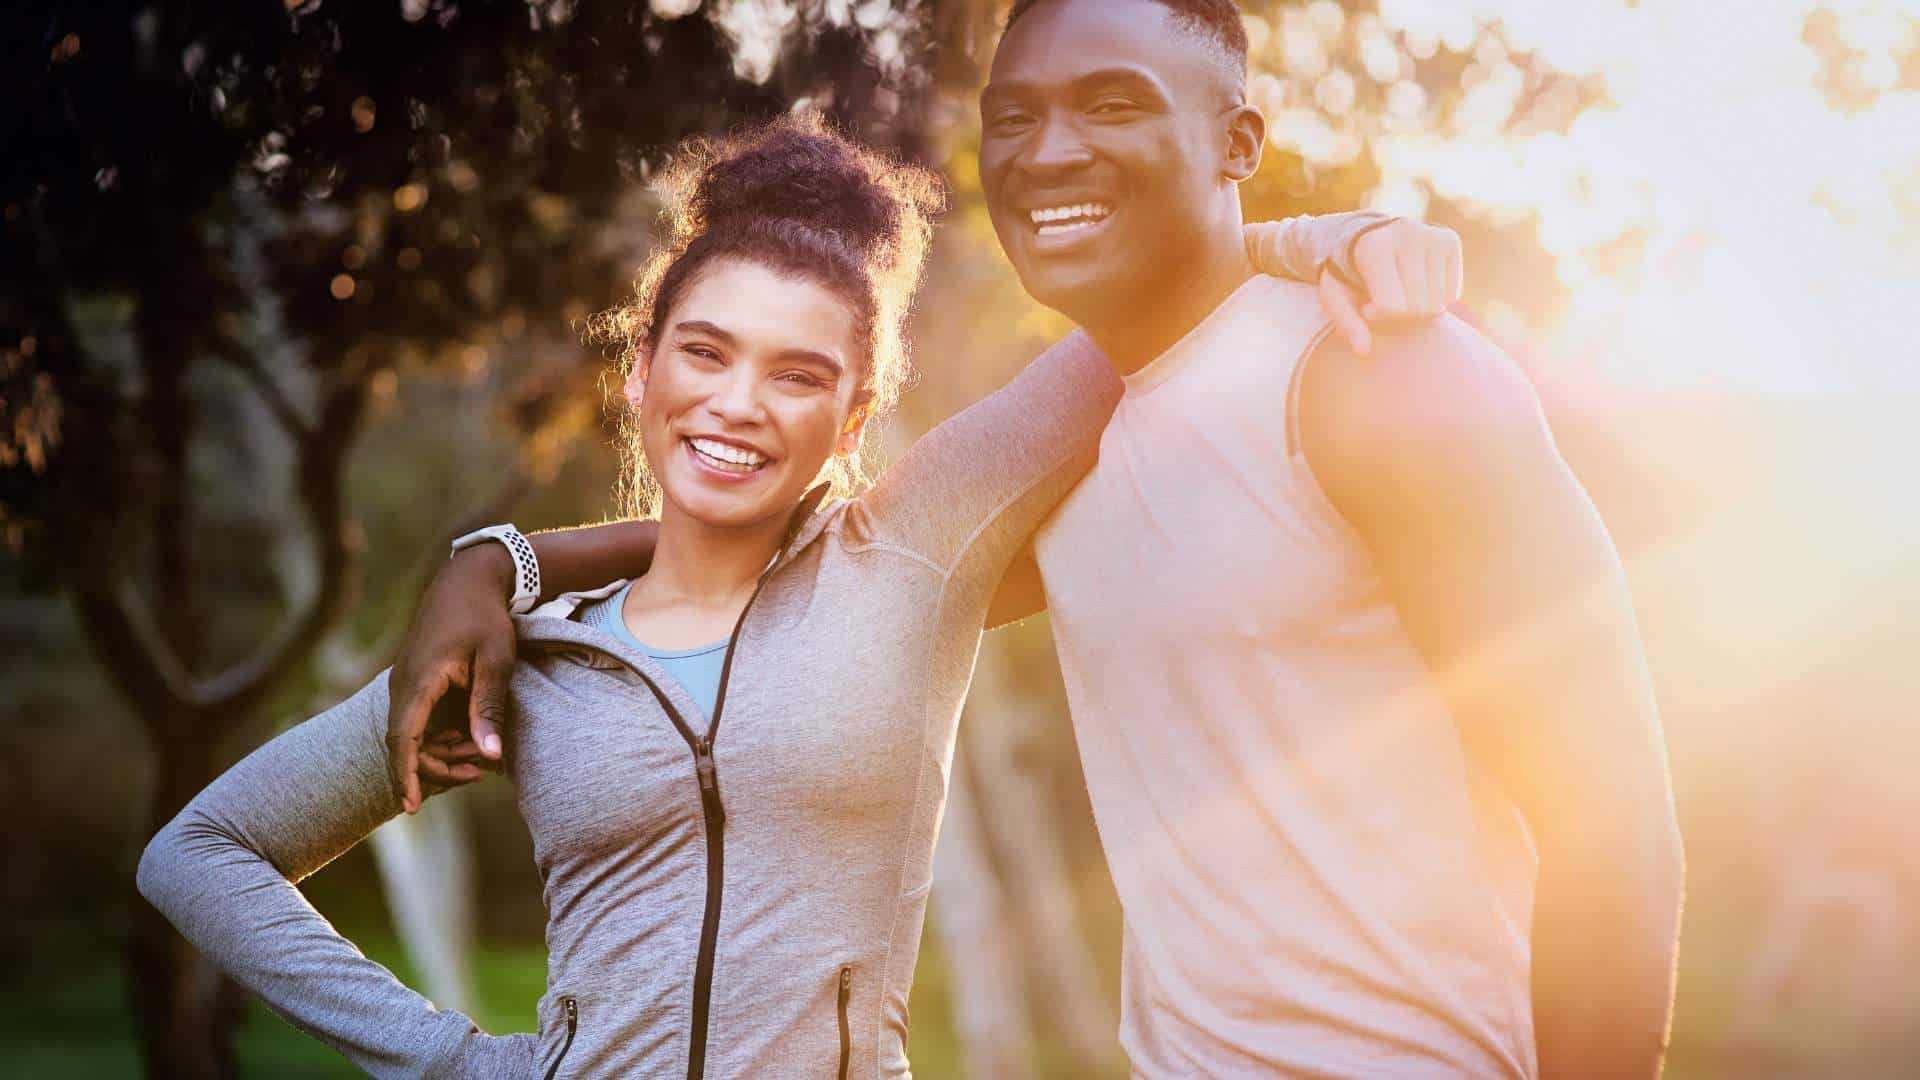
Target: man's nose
1057 148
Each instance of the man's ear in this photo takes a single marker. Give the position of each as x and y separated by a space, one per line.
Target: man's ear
635 387
1246 141
855 430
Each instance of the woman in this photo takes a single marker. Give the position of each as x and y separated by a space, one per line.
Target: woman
667 784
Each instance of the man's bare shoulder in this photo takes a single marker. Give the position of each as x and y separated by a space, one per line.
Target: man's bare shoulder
1427 416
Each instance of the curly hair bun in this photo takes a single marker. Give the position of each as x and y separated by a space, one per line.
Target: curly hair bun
799 170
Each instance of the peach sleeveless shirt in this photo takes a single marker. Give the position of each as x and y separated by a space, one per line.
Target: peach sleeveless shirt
1316 880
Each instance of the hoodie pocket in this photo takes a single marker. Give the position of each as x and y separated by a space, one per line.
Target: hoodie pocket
846 1041
571 1008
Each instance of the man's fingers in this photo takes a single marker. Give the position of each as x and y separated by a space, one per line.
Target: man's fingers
454 748
487 708
1343 311
448 774
407 710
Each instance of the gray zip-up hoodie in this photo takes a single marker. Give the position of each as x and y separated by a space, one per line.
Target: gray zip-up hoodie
734 896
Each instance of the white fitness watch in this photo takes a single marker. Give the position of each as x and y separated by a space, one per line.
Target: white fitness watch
526 568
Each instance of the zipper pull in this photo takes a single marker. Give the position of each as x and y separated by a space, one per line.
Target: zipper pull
846 985
709 780
573 1014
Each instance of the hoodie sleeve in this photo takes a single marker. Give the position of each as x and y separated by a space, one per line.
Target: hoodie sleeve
1298 248
224 873
969 493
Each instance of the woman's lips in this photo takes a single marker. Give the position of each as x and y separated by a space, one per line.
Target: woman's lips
720 468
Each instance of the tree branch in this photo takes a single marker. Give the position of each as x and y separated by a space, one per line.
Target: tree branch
321 469
276 398
132 652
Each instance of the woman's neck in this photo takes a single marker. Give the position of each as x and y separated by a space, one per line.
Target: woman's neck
703 567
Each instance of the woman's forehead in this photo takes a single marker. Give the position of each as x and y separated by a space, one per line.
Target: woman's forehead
761 309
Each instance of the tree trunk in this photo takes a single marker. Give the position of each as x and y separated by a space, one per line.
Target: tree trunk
1025 833
988 988
426 872
186 1014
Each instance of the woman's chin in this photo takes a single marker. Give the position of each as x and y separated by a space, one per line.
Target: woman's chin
736 509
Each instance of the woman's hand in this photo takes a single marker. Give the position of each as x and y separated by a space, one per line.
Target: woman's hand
1409 272
462 636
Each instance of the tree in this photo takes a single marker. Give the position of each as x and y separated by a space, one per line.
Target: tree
220 219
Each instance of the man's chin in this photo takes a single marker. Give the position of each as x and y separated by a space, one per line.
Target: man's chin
1087 296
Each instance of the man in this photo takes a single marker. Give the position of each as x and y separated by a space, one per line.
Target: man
1331 630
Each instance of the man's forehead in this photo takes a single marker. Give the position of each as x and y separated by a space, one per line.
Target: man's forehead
1062 41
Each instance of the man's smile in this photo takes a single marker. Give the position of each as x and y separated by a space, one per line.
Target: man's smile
1062 226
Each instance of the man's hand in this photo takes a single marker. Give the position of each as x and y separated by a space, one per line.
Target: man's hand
1409 273
450 759
462 636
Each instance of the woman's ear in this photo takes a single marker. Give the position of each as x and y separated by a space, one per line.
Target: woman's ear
854 431
636 384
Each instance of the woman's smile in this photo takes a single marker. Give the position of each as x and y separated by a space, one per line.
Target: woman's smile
732 461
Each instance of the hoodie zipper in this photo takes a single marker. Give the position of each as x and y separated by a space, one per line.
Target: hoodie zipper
846 1041
712 809
573 1024
714 812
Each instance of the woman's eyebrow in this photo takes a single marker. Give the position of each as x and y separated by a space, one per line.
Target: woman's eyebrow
702 326
818 359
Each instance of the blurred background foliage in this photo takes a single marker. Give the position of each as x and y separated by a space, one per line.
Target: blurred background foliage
291 295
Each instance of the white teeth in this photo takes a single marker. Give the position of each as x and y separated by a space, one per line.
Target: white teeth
727 453
1095 211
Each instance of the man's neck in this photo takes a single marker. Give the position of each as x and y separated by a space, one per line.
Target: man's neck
1134 335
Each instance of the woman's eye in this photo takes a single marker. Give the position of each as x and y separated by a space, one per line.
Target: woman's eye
703 352
800 378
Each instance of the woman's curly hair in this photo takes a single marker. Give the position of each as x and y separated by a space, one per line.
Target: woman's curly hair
801 199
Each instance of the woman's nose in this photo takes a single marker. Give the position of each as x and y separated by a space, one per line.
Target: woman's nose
737 399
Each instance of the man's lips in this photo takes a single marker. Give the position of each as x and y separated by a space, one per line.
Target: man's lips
1057 215
1059 229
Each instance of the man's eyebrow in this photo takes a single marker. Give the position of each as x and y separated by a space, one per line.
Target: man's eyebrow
1130 78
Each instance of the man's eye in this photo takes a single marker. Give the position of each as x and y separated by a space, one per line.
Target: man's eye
1005 123
1111 107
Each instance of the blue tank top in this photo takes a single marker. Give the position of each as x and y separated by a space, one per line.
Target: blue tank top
696 670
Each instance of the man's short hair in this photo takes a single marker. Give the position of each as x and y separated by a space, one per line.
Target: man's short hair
1216 22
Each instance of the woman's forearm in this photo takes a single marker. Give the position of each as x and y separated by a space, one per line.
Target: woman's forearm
224 872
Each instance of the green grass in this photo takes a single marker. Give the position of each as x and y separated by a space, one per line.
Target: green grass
76 1023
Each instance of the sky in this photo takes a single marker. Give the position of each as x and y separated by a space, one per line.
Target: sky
1768 151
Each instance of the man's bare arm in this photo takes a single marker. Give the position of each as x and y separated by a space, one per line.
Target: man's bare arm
1509 586
462 636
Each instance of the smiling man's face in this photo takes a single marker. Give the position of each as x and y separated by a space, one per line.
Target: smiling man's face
1102 152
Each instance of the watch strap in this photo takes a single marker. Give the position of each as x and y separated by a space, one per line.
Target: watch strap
526 567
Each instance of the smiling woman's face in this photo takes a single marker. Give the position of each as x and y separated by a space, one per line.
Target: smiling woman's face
748 391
